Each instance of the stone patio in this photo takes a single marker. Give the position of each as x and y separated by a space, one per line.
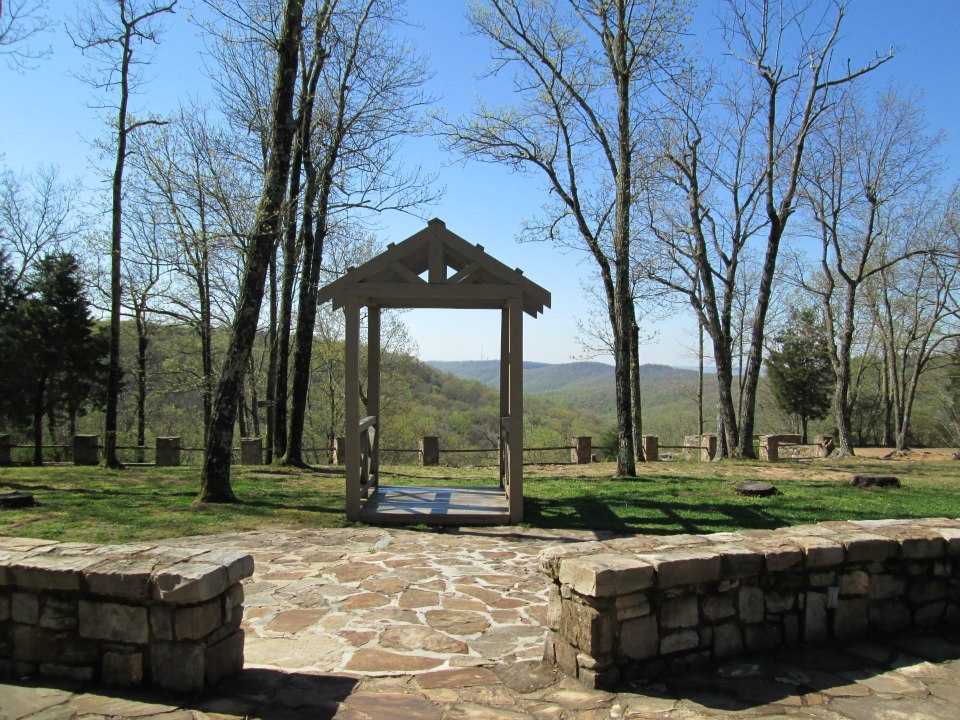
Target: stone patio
365 623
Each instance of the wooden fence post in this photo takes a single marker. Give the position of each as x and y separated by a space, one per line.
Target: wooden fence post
86 450
429 451
340 450
168 451
5 443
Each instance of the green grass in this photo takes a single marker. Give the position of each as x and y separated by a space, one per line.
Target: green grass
97 505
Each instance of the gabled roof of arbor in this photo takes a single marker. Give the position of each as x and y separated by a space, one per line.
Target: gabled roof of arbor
435 268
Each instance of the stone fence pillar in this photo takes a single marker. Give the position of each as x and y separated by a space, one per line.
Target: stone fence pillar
251 451
86 450
651 447
770 448
701 447
581 450
340 450
826 444
429 450
5 442
168 451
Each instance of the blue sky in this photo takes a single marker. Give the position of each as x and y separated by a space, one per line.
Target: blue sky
45 118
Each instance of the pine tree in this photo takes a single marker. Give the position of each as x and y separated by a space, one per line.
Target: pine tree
799 370
61 353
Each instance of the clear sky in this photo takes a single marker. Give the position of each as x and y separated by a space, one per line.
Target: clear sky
45 118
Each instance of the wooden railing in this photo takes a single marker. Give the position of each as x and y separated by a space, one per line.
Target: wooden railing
369 464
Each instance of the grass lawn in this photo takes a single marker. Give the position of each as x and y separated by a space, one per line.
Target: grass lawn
98 505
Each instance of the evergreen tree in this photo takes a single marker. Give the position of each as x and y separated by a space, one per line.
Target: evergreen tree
801 376
62 354
12 407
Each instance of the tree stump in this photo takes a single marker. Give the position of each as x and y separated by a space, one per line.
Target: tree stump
754 488
877 481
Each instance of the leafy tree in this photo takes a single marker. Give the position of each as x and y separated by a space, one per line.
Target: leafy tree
800 373
60 350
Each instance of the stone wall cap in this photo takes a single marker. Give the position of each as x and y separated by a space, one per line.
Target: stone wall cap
684 566
239 564
605 574
550 558
51 572
189 582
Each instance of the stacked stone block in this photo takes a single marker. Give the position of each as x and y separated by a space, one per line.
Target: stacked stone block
122 615
641 605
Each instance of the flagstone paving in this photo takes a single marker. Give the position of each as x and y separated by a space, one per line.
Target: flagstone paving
369 623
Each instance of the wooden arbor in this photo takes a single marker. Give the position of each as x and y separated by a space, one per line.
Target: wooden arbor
432 269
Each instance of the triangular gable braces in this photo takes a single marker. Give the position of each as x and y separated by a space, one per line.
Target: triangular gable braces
434 268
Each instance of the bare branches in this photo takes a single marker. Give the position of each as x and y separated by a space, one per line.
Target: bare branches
22 21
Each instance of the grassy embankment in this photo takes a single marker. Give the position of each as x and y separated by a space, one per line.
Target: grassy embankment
97 505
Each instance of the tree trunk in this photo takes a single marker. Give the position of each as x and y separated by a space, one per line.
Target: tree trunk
254 416
699 378
272 363
636 399
803 429
215 477
142 344
38 423
285 321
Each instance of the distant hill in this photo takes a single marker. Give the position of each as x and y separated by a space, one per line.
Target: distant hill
669 394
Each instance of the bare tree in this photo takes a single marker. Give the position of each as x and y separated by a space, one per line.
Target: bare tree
733 156
867 166
371 98
911 305
215 478
20 22
582 73
38 216
112 35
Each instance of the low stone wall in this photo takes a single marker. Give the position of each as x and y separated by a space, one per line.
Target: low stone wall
124 615
636 606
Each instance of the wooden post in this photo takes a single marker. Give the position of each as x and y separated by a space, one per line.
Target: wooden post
251 451
504 385
5 442
373 388
515 471
85 450
429 451
581 450
351 399
168 452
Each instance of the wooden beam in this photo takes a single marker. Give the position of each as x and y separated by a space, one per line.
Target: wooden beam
515 471
504 382
351 400
437 264
463 273
431 293
373 385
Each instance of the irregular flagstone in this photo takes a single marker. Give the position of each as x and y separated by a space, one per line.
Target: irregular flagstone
354 572
874 708
364 601
293 621
473 711
395 706
20 702
457 678
414 598
373 660
457 622
421 638
527 676
119 707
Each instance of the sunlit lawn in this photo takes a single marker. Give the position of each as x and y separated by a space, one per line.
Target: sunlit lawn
93 504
